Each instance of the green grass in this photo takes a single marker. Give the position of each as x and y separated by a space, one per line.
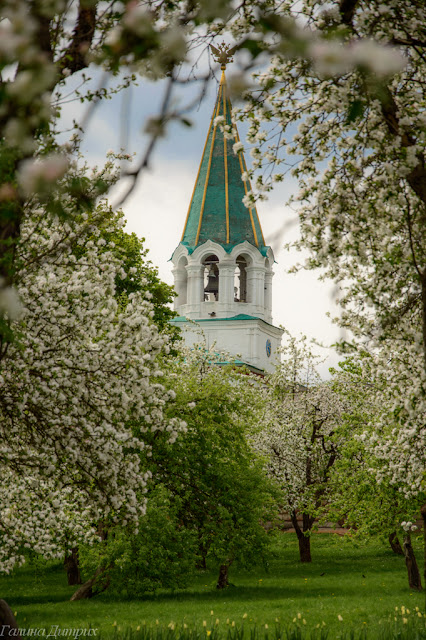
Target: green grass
362 584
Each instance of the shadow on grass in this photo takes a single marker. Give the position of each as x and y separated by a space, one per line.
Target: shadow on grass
232 594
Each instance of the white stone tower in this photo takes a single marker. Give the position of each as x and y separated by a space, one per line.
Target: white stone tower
222 268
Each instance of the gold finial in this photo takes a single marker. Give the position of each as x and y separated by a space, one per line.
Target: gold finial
223 53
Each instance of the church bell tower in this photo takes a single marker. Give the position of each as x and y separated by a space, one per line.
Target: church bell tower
222 267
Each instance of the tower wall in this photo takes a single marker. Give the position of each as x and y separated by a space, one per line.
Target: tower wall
242 337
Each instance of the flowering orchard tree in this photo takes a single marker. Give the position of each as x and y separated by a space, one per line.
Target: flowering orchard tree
360 490
301 435
80 368
395 443
141 274
43 43
320 443
360 159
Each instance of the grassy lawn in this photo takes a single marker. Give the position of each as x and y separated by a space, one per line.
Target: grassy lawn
362 584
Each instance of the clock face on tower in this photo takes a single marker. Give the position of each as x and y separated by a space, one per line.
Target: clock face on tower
268 348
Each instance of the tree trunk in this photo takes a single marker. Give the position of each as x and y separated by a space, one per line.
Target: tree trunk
395 544
222 581
303 540
8 622
203 551
72 567
423 512
414 580
86 589
202 563
305 548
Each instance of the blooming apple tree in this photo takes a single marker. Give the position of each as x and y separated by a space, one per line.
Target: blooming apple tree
301 435
80 368
357 136
52 52
362 491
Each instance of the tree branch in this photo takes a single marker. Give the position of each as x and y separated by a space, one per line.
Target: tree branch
347 11
74 57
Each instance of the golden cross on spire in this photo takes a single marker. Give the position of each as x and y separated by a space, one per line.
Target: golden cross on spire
223 53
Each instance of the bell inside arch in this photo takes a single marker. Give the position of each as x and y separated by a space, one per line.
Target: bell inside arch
212 285
211 278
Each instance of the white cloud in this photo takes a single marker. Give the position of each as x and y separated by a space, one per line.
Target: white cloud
157 211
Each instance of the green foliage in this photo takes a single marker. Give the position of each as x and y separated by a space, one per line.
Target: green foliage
10 216
209 495
160 555
211 469
141 274
221 491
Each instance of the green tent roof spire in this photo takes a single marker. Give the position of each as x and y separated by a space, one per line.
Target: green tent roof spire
216 211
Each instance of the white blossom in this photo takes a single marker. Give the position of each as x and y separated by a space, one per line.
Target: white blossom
237 147
68 387
35 175
10 304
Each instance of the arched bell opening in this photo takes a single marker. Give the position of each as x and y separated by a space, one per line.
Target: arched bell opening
181 282
240 280
211 278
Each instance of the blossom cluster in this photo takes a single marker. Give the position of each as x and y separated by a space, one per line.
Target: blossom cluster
299 437
80 371
353 135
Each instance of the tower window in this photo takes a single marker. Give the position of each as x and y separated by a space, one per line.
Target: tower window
211 278
240 280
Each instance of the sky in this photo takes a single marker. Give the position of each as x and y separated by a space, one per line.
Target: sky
156 210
